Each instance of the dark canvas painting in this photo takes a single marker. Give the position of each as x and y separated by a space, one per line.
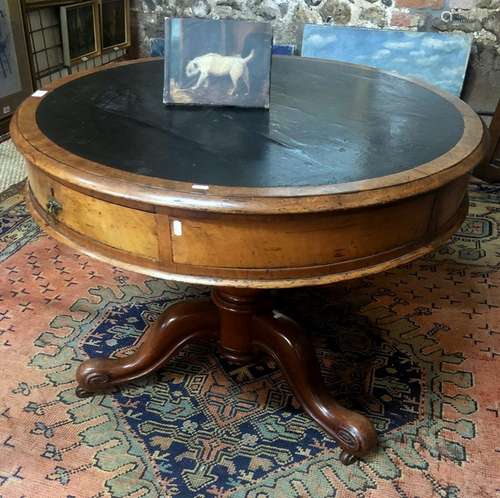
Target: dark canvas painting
113 23
81 30
213 62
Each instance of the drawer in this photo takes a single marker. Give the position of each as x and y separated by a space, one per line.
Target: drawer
265 242
120 227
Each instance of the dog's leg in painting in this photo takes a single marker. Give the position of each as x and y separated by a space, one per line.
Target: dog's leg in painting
203 77
4 72
235 77
246 80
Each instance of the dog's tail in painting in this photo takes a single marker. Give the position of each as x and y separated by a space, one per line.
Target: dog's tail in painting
249 56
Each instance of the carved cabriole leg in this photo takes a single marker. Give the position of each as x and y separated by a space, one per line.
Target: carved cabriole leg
283 339
178 325
248 326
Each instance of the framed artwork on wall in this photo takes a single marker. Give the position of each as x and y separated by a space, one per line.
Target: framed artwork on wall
115 24
80 32
15 73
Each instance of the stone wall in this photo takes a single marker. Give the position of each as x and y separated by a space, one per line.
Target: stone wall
479 17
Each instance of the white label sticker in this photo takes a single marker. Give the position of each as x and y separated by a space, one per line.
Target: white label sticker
177 227
199 187
6 109
39 93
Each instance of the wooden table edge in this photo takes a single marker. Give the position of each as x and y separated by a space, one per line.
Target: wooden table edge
131 189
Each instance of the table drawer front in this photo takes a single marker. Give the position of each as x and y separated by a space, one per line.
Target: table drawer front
117 226
299 241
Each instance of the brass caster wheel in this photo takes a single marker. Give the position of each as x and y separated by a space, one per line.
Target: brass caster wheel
82 393
347 458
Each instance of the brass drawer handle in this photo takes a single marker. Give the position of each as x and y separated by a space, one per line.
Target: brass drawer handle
53 207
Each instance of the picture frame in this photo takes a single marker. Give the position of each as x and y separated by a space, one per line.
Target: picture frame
35 4
80 32
115 24
15 73
217 62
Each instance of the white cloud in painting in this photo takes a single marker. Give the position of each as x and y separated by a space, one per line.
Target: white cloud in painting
444 44
433 43
399 60
427 61
417 53
381 54
319 41
446 84
398 45
450 72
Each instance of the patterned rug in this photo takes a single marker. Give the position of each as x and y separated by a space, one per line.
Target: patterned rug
11 165
415 348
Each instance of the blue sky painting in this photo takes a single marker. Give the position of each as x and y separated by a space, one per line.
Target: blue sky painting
437 58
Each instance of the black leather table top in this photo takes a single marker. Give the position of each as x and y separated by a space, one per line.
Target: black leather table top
328 123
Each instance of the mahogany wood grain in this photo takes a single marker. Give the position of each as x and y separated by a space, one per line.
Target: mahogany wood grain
282 338
178 325
253 250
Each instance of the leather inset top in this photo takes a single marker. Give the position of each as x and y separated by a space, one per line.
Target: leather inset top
328 123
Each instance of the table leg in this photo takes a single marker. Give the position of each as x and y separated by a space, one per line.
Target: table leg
283 339
179 324
248 325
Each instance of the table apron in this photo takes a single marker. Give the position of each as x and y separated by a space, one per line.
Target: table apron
269 248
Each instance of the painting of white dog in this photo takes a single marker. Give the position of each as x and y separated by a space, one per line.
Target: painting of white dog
236 67
211 62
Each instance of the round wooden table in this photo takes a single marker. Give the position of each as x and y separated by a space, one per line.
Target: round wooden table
351 172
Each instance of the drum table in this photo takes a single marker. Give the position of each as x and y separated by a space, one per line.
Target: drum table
352 171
